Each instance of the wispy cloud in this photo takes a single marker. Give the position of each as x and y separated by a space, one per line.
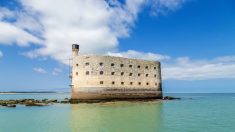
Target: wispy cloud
40 70
56 71
1 54
184 68
162 7
140 55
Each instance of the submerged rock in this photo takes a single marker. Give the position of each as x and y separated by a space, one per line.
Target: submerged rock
170 98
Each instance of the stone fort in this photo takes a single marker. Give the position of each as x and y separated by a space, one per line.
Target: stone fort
96 77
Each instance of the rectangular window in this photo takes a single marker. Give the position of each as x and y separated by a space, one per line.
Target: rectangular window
87 63
113 82
131 83
139 74
139 83
130 66
87 72
138 66
112 73
101 82
121 65
101 72
130 74
122 83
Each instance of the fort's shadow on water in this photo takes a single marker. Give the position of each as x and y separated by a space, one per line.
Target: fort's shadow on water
116 117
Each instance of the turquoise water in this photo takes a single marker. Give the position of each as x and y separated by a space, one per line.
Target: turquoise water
194 113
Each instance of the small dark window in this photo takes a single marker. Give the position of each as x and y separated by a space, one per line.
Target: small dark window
155 75
131 83
139 83
87 72
147 75
139 74
155 68
122 83
130 66
112 73
122 73
130 74
101 63
112 64
146 67
121 65
87 64
77 65
147 83
138 66
101 72
156 84
113 82
76 73
101 82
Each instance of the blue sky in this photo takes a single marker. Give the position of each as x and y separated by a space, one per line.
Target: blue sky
194 40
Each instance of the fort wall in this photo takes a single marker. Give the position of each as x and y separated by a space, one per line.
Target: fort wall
107 77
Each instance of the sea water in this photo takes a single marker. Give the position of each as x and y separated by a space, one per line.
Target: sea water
193 113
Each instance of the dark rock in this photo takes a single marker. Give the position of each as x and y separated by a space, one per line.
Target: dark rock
170 98
44 100
64 101
12 105
4 104
35 104
52 101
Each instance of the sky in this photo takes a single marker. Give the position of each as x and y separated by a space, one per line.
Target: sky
193 39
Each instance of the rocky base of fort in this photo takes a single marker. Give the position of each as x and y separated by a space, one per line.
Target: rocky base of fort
46 102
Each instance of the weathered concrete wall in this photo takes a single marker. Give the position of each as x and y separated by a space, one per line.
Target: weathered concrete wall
106 77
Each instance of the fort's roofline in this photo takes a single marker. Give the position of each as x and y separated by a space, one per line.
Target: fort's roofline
96 55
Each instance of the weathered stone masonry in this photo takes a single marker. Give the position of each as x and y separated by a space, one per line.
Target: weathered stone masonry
106 77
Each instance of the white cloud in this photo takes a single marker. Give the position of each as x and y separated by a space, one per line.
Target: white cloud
1 54
40 70
11 34
56 71
140 55
6 13
184 68
56 24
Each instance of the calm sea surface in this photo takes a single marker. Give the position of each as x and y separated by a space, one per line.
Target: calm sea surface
194 113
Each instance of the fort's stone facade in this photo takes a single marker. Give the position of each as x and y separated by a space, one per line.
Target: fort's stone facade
106 77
